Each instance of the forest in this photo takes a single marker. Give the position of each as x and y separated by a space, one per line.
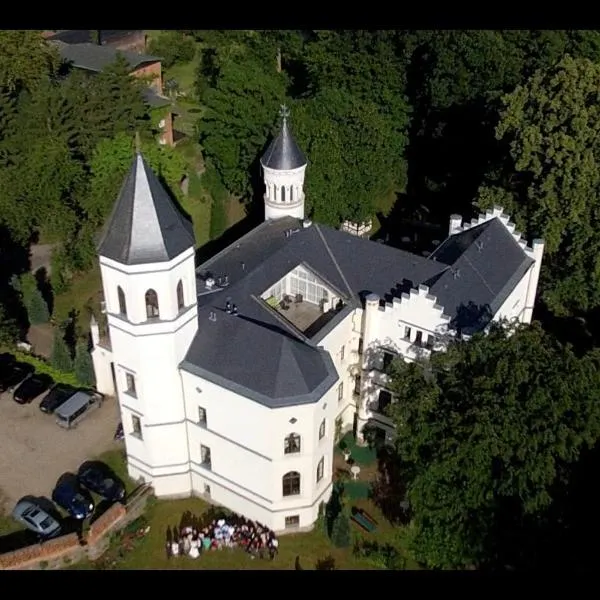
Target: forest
402 127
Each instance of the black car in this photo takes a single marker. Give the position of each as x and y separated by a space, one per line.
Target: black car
32 387
69 495
59 394
99 478
6 360
15 373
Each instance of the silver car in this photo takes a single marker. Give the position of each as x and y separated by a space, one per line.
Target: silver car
30 514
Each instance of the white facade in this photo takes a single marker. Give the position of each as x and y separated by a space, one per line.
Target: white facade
187 435
284 193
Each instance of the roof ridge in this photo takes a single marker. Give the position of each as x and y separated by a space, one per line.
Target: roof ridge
335 262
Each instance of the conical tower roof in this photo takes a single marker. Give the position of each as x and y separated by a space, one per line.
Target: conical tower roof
283 154
145 225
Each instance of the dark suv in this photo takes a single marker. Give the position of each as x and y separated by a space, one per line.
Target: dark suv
59 394
68 494
32 387
100 479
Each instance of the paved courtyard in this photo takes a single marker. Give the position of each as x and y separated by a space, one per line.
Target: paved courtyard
35 451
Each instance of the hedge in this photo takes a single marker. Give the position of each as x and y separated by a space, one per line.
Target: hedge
43 367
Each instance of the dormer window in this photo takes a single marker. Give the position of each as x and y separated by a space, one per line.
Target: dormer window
152 311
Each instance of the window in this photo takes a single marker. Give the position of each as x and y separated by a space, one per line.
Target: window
341 392
151 305
342 353
205 459
430 342
291 484
360 345
388 357
122 303
136 425
180 299
291 444
201 416
385 399
407 332
322 430
419 338
320 469
283 193
207 490
292 522
357 382
130 381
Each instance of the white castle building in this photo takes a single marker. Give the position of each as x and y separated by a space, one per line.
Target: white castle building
235 378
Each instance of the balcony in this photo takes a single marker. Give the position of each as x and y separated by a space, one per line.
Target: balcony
305 316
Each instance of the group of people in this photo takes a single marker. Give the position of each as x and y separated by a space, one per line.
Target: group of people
235 532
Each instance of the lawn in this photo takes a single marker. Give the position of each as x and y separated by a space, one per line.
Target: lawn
149 553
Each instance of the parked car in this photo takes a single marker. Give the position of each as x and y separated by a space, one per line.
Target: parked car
59 394
29 512
6 360
32 387
15 374
69 495
99 478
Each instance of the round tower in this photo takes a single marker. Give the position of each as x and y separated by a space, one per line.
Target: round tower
283 166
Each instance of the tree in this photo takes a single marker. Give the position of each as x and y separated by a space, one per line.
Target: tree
37 309
8 328
482 433
340 533
25 59
241 96
356 154
173 47
83 365
552 126
61 357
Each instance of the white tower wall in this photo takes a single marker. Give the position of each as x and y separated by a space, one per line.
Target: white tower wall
284 193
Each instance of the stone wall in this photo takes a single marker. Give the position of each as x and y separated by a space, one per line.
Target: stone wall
68 549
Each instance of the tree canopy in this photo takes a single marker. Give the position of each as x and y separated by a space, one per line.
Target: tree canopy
482 431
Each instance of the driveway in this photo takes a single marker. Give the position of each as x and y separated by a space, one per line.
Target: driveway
35 451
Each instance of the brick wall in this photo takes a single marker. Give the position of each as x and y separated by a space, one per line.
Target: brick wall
151 70
57 553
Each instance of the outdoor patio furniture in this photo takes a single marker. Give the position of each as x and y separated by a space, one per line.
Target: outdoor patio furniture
363 522
355 470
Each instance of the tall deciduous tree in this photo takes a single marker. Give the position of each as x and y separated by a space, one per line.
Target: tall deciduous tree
552 126
481 433
241 95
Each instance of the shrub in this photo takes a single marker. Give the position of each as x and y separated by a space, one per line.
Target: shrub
43 367
61 358
340 532
325 564
83 366
37 309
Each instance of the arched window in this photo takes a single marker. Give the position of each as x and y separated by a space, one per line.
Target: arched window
322 430
291 193
180 300
122 303
152 305
320 469
291 444
283 193
291 484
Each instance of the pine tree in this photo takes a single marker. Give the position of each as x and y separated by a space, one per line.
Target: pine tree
340 532
83 366
61 358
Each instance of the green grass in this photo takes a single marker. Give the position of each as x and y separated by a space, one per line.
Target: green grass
310 547
362 455
185 75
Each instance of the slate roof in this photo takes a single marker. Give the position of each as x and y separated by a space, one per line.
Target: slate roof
92 57
283 154
145 225
262 356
